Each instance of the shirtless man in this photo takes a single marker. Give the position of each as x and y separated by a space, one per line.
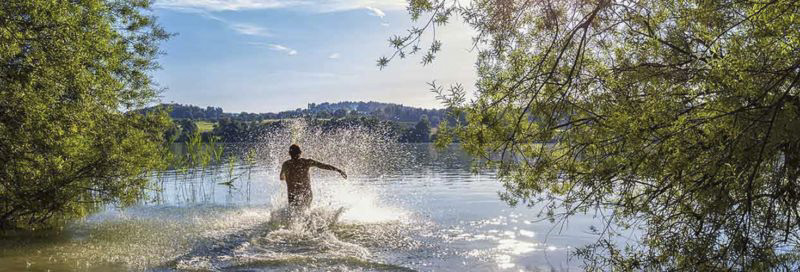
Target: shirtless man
298 183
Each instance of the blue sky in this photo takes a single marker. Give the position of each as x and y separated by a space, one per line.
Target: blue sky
273 55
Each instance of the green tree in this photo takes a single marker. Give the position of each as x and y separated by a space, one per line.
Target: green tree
422 130
172 133
188 129
676 120
340 113
71 72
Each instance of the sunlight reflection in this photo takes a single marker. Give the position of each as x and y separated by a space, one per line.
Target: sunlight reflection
508 244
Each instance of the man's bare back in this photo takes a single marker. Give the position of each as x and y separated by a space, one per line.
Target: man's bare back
298 182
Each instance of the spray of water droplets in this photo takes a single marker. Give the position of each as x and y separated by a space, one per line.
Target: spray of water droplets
339 206
358 149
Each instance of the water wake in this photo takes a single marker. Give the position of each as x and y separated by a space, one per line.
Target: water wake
315 240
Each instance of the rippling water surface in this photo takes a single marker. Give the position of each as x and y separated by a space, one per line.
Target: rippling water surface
427 212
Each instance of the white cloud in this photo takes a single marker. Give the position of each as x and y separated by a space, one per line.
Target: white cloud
281 48
375 12
248 29
376 6
340 5
220 5
334 56
275 47
241 28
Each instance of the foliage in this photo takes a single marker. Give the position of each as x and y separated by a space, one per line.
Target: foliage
68 72
188 129
238 131
383 111
675 120
420 133
178 111
232 131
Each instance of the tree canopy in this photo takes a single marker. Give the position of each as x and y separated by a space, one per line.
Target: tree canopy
675 120
70 73
383 111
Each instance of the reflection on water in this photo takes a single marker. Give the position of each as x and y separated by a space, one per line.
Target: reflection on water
429 214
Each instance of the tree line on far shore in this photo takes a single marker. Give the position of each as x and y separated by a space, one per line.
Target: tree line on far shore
406 124
377 110
235 131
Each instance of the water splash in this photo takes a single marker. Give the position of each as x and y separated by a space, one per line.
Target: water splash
358 149
343 215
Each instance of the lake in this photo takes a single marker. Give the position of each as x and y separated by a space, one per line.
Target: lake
426 211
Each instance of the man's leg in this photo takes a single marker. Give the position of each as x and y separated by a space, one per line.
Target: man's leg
299 204
305 201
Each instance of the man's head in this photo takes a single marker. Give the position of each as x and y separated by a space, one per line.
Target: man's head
294 151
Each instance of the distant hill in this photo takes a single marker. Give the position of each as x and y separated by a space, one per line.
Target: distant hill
382 111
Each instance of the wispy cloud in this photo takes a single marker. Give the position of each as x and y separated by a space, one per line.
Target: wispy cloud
334 56
241 28
275 47
248 29
375 12
310 5
220 5
281 48
305 74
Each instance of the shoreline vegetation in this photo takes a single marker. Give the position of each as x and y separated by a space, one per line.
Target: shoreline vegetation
71 73
679 120
403 123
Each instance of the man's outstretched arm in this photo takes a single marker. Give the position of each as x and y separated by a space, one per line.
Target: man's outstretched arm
328 167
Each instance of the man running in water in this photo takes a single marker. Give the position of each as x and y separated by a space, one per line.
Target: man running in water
298 183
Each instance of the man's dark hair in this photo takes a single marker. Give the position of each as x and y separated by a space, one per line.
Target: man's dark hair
294 151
